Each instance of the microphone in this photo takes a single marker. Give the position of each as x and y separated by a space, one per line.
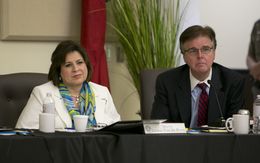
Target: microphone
222 119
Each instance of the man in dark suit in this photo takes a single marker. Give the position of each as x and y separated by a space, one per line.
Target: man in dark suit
184 94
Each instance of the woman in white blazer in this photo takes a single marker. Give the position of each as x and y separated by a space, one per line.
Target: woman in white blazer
73 93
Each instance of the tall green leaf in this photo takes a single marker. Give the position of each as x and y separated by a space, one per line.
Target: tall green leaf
147 31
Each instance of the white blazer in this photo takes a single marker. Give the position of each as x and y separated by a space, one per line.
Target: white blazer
105 109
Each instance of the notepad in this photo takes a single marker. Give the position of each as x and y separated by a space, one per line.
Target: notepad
215 131
15 132
209 129
7 133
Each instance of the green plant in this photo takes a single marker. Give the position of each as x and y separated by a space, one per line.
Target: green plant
147 31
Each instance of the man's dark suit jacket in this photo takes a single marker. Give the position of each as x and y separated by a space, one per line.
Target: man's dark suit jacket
172 99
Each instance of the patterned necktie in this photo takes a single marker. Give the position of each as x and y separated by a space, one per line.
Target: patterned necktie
203 105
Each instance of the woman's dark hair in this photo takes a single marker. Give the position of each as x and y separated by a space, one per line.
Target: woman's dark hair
58 58
196 31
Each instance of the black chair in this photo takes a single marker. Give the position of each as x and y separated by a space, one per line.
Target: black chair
249 81
15 90
148 79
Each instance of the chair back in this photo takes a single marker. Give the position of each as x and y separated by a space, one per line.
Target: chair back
15 90
148 80
249 81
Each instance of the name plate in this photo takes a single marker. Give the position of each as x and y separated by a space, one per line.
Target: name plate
160 128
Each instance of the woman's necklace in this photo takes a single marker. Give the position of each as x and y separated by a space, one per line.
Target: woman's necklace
76 99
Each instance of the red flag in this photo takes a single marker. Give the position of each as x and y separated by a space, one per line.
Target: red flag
93 27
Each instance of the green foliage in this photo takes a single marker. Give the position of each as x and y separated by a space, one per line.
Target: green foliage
147 31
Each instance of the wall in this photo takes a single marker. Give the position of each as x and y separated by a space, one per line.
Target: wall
19 56
232 21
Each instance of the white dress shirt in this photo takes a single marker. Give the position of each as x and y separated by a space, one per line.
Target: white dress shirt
195 93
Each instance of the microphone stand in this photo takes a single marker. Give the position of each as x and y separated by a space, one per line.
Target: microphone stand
221 122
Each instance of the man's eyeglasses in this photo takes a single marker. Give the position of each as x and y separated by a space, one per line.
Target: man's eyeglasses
195 51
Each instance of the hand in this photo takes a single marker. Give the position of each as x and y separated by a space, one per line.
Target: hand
255 71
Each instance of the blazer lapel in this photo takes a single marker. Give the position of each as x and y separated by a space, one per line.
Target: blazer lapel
101 101
61 109
214 109
184 96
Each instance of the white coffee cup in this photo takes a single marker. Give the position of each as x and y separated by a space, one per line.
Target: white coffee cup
238 123
47 122
80 122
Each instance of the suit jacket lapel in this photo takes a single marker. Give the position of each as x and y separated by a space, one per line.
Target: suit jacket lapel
61 109
214 110
184 96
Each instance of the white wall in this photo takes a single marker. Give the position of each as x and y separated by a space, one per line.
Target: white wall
232 21
19 56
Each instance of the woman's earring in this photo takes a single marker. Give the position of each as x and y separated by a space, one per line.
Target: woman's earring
60 78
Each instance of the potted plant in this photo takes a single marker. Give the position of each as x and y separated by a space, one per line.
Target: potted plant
148 32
